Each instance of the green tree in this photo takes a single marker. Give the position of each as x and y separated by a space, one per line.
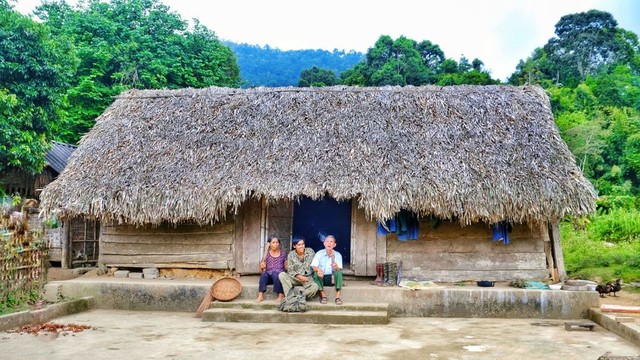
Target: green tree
132 44
406 62
585 43
318 77
34 70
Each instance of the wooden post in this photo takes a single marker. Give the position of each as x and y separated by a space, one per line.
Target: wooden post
544 232
381 248
65 244
554 232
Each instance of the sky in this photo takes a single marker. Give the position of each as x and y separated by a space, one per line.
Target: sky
498 32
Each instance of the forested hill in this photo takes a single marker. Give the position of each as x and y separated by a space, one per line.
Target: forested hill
267 66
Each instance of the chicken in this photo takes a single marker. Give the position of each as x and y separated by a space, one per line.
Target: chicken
603 289
614 287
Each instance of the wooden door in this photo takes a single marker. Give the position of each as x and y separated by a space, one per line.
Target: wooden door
279 223
248 237
366 247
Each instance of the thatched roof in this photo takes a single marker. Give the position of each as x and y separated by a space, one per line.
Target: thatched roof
470 153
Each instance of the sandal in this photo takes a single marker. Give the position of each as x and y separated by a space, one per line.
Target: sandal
338 301
323 300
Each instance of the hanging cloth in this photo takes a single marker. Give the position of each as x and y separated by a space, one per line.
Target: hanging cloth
501 231
405 225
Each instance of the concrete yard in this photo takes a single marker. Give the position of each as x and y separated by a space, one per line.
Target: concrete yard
121 334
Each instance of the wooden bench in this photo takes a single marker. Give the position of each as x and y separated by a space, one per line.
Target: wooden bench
573 325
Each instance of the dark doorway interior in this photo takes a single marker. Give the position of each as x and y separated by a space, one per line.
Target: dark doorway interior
313 219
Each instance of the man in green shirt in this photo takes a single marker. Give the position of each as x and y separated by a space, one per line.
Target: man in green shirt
299 272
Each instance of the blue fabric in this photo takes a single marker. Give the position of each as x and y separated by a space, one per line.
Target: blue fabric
405 225
501 231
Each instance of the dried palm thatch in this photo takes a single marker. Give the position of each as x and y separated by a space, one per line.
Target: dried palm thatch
471 153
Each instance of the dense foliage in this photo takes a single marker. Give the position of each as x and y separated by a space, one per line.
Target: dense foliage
318 77
132 44
591 71
34 72
267 66
407 62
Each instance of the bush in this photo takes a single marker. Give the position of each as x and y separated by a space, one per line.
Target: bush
616 226
587 255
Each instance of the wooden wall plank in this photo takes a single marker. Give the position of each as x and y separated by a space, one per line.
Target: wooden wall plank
128 262
460 251
222 228
476 275
164 249
174 258
470 261
176 239
195 245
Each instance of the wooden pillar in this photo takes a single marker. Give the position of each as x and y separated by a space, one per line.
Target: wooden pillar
554 234
65 244
544 232
381 248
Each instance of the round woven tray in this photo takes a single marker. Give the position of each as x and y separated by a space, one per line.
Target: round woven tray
226 289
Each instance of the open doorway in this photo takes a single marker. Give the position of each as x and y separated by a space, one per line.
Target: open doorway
314 219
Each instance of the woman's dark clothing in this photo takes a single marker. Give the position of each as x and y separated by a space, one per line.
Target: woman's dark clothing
275 265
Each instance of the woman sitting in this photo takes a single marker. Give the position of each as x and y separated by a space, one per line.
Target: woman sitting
273 263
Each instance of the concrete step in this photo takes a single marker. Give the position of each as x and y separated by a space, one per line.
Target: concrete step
267 312
311 316
311 305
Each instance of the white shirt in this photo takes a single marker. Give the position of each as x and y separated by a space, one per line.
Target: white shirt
323 261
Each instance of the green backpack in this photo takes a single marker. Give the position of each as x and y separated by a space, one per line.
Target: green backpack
293 302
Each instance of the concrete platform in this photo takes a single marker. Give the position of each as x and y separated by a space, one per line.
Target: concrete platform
121 334
452 301
629 330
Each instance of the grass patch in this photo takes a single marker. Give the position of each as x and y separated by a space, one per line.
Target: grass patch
589 255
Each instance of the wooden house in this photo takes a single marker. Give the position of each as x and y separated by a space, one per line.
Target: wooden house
198 178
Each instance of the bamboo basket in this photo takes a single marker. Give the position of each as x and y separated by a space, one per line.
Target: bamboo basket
226 289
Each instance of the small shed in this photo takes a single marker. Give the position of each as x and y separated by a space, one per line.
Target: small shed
198 178
74 241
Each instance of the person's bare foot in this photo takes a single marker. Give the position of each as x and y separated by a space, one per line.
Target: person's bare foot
280 298
259 299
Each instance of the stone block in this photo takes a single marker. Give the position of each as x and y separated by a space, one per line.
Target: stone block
136 275
151 271
121 273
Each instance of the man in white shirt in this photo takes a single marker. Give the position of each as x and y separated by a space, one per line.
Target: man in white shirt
326 263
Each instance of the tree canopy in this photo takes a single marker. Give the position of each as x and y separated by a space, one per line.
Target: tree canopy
592 74
407 62
34 72
132 44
